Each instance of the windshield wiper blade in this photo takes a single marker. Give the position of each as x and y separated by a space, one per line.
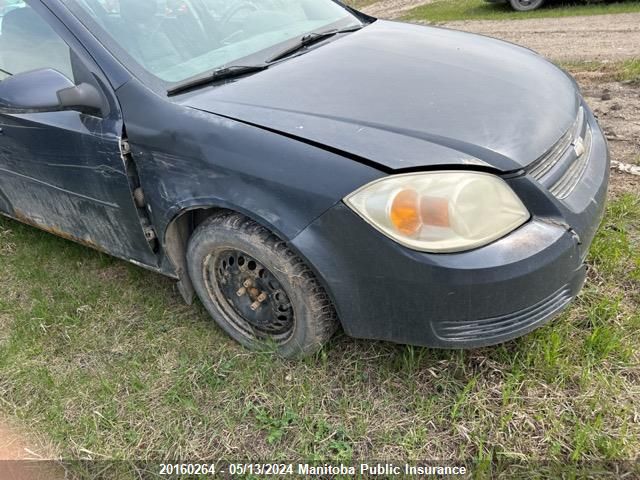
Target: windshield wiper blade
310 39
223 73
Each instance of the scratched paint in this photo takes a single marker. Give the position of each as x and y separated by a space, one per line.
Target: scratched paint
63 173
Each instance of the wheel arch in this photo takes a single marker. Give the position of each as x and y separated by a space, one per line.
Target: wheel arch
183 224
184 221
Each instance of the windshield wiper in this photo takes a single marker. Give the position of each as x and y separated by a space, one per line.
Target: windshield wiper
223 73
310 39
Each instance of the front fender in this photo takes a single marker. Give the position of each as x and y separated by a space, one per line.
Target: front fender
190 159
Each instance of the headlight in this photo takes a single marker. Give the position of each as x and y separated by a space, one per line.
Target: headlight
440 211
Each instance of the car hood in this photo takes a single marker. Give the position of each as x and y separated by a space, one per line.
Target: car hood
406 96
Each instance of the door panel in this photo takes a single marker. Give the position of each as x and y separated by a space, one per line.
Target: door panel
63 172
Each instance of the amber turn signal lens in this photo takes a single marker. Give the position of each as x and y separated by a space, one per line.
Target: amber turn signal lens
405 213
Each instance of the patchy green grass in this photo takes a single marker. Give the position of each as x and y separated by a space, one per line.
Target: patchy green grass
621 71
104 358
630 71
450 10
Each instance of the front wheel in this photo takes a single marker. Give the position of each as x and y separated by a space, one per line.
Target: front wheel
526 5
257 289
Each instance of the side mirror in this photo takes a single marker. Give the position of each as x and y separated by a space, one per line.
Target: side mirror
47 90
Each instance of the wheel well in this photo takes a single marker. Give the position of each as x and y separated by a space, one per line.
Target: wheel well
177 237
176 241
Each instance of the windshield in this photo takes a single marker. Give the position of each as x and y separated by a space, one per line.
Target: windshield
175 40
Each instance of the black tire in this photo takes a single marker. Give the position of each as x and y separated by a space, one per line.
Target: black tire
526 5
225 240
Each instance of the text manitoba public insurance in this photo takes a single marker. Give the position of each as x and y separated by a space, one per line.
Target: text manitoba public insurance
382 469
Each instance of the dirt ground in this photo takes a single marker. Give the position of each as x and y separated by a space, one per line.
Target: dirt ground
617 107
15 446
599 38
12 446
392 8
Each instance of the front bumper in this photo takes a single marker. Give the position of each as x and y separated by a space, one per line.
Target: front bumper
384 291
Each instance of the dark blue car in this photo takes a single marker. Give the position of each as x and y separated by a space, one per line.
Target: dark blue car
300 166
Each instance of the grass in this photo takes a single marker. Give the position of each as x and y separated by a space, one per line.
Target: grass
450 10
630 71
622 71
104 358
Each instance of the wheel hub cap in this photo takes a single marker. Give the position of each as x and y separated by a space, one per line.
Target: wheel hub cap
253 292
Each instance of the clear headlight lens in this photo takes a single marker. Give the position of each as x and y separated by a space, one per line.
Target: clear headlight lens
440 211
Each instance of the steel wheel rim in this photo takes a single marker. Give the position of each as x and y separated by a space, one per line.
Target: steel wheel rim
239 283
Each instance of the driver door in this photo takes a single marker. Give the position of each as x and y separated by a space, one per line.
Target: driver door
63 171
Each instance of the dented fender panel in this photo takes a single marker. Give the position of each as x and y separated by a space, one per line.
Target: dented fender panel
191 159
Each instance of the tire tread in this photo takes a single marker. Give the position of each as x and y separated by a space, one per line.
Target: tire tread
324 321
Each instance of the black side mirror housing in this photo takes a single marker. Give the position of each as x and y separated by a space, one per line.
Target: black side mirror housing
79 97
47 90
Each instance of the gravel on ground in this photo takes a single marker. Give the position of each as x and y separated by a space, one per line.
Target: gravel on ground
392 8
595 38
592 38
